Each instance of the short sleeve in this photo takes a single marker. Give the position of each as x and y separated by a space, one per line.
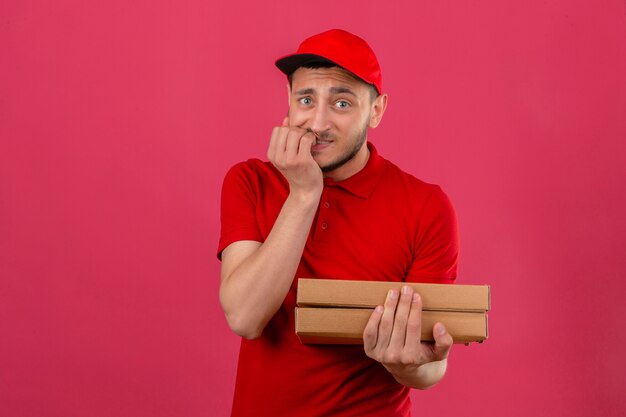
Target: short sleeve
238 208
436 246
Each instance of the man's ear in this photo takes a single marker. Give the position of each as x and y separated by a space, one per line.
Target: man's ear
378 110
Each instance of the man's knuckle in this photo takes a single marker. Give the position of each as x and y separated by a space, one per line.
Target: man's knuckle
391 357
373 354
291 163
408 360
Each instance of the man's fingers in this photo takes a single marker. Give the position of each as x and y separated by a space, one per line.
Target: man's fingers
386 322
443 342
370 334
290 152
398 335
306 143
414 327
271 150
277 132
286 146
292 144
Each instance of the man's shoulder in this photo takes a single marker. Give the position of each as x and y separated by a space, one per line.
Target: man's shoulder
398 177
252 167
254 173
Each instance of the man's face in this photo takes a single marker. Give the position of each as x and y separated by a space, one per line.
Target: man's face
338 109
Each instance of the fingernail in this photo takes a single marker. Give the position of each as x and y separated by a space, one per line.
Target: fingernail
416 297
406 289
440 329
393 294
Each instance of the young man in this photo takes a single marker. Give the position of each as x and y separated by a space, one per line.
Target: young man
326 205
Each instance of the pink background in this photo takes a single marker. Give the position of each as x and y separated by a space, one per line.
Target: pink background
119 119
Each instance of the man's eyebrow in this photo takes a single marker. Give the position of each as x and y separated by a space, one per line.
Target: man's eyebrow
333 90
305 91
341 90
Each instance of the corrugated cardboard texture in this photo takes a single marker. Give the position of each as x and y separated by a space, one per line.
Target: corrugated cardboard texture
369 294
346 325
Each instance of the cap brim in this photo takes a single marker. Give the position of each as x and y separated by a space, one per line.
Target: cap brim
290 63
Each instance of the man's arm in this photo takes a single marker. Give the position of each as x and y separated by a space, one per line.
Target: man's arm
257 276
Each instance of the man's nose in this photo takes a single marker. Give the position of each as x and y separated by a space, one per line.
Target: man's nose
320 119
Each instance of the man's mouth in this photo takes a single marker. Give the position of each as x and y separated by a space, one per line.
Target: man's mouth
321 138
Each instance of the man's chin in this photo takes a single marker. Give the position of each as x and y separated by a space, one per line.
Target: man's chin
324 164
331 166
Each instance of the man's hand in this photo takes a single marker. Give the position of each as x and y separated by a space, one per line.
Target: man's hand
392 337
290 152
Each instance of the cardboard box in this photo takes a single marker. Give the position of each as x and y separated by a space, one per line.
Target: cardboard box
346 325
369 294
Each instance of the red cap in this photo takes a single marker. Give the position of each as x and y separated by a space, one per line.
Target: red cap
338 47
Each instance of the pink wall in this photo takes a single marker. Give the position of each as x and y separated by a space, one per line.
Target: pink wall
119 119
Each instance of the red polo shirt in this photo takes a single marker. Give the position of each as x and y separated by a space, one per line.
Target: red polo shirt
380 224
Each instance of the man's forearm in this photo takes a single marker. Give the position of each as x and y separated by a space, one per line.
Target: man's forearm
254 289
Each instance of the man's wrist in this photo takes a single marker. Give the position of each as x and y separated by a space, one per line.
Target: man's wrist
422 376
305 199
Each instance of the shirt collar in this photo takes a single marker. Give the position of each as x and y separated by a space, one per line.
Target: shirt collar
365 181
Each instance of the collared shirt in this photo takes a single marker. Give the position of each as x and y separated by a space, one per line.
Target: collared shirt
380 224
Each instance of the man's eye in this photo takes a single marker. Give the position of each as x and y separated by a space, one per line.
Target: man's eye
342 104
305 100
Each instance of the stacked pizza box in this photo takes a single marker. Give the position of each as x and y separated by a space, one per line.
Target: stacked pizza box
336 311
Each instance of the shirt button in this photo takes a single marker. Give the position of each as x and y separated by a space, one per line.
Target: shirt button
324 226
327 204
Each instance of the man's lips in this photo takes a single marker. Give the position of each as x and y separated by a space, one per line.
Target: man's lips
320 145
319 141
